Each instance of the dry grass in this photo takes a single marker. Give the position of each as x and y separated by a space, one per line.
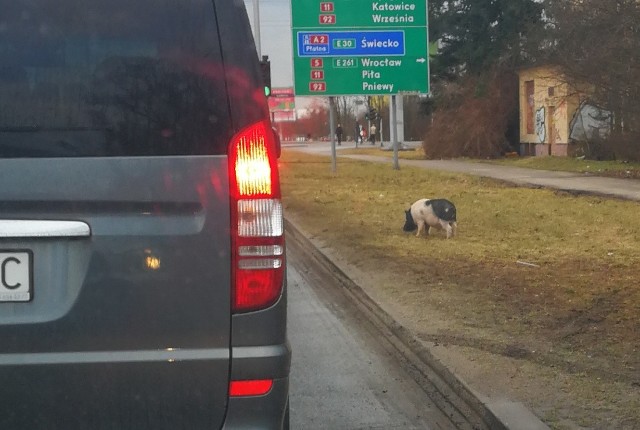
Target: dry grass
570 164
417 154
578 311
619 169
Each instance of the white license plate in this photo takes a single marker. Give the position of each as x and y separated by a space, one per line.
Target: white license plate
16 276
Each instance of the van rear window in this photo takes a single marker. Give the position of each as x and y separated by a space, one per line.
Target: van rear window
110 78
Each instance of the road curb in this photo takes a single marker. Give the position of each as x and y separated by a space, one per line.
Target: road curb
489 414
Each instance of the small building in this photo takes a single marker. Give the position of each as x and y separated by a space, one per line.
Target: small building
548 105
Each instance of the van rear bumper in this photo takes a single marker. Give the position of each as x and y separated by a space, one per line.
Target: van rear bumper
154 393
260 362
264 412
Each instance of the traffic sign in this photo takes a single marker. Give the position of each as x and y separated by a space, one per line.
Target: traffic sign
360 47
359 13
350 43
282 99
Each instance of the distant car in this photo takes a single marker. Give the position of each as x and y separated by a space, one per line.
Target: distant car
142 259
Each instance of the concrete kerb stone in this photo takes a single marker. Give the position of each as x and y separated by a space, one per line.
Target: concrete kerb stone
496 414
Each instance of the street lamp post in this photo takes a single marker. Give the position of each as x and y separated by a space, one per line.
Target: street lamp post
256 26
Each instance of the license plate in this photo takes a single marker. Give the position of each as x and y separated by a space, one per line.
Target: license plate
16 276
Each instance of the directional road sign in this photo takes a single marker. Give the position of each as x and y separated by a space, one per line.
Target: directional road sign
368 47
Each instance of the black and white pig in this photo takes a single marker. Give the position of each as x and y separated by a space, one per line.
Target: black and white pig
433 213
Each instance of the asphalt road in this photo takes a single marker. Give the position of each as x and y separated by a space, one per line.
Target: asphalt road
344 373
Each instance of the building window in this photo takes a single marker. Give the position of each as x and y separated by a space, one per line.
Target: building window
551 91
530 108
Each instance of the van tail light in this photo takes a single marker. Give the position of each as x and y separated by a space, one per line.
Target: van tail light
257 387
256 219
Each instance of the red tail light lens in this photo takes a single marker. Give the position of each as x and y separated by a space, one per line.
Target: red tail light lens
257 219
252 156
258 387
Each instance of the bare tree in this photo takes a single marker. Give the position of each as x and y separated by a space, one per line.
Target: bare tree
597 45
416 121
342 109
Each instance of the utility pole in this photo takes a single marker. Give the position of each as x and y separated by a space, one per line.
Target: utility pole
256 26
394 132
332 127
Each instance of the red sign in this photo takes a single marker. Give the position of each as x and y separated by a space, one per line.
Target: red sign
282 99
327 19
317 75
283 116
317 87
326 7
317 63
282 92
318 39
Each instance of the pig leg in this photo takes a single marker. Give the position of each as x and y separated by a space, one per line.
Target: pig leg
447 227
449 231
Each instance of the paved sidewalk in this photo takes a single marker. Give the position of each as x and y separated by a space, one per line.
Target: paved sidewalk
566 181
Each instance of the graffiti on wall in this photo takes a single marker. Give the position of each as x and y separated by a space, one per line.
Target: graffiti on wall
559 121
590 122
541 129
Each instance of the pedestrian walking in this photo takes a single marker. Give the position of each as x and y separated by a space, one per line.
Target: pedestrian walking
339 134
356 135
372 134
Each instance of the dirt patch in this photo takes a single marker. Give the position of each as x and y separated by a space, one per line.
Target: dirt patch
561 335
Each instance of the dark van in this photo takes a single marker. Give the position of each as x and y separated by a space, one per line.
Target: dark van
142 260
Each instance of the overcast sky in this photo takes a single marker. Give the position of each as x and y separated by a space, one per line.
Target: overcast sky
275 37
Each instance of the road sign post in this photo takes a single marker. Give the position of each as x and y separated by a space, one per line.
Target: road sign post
360 47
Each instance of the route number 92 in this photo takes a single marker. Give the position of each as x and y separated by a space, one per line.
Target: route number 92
317 87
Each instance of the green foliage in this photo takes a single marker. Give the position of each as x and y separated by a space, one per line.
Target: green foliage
475 35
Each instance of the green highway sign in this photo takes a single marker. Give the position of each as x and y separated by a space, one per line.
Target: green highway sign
360 47
358 13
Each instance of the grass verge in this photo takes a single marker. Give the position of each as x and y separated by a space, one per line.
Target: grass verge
616 169
574 308
417 154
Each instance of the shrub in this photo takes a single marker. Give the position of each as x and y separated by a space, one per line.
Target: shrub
473 118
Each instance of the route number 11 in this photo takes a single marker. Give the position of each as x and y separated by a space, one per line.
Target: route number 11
326 7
